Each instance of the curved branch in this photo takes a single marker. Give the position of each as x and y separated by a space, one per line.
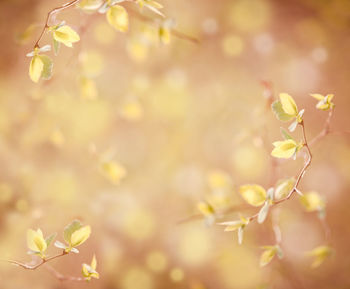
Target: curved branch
51 12
299 176
62 277
33 267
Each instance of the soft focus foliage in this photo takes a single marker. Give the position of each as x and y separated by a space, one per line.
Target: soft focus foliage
149 135
254 195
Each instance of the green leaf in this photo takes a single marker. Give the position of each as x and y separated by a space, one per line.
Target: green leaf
285 134
70 229
56 46
279 112
267 256
48 64
279 252
49 239
322 213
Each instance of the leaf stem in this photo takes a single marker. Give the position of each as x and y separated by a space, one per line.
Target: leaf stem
33 267
51 12
62 277
299 176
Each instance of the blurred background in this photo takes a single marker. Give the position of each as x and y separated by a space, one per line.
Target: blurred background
130 134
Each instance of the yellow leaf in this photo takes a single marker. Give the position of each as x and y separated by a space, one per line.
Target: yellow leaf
80 236
317 96
89 271
118 18
132 110
325 102
93 262
88 89
57 138
283 188
137 49
285 149
312 202
66 35
320 254
90 5
288 104
150 3
114 171
36 241
254 195
206 209
164 35
218 179
26 35
85 271
36 68
267 256
219 199
234 225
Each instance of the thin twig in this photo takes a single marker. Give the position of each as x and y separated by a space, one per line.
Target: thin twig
174 32
300 175
33 267
276 228
62 277
327 129
222 213
51 12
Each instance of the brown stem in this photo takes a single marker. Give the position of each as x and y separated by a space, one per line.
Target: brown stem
33 267
326 129
51 12
300 175
326 229
174 32
303 170
62 277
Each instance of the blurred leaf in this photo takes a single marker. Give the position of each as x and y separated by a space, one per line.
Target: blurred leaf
254 195
47 68
118 18
79 236
312 201
49 239
66 35
263 213
279 112
56 46
60 245
268 254
285 134
70 229
288 104
283 188
36 68
320 254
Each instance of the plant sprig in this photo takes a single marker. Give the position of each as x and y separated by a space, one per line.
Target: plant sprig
75 234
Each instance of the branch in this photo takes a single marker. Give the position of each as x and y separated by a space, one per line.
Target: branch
174 32
327 129
223 213
62 277
299 176
33 267
53 11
